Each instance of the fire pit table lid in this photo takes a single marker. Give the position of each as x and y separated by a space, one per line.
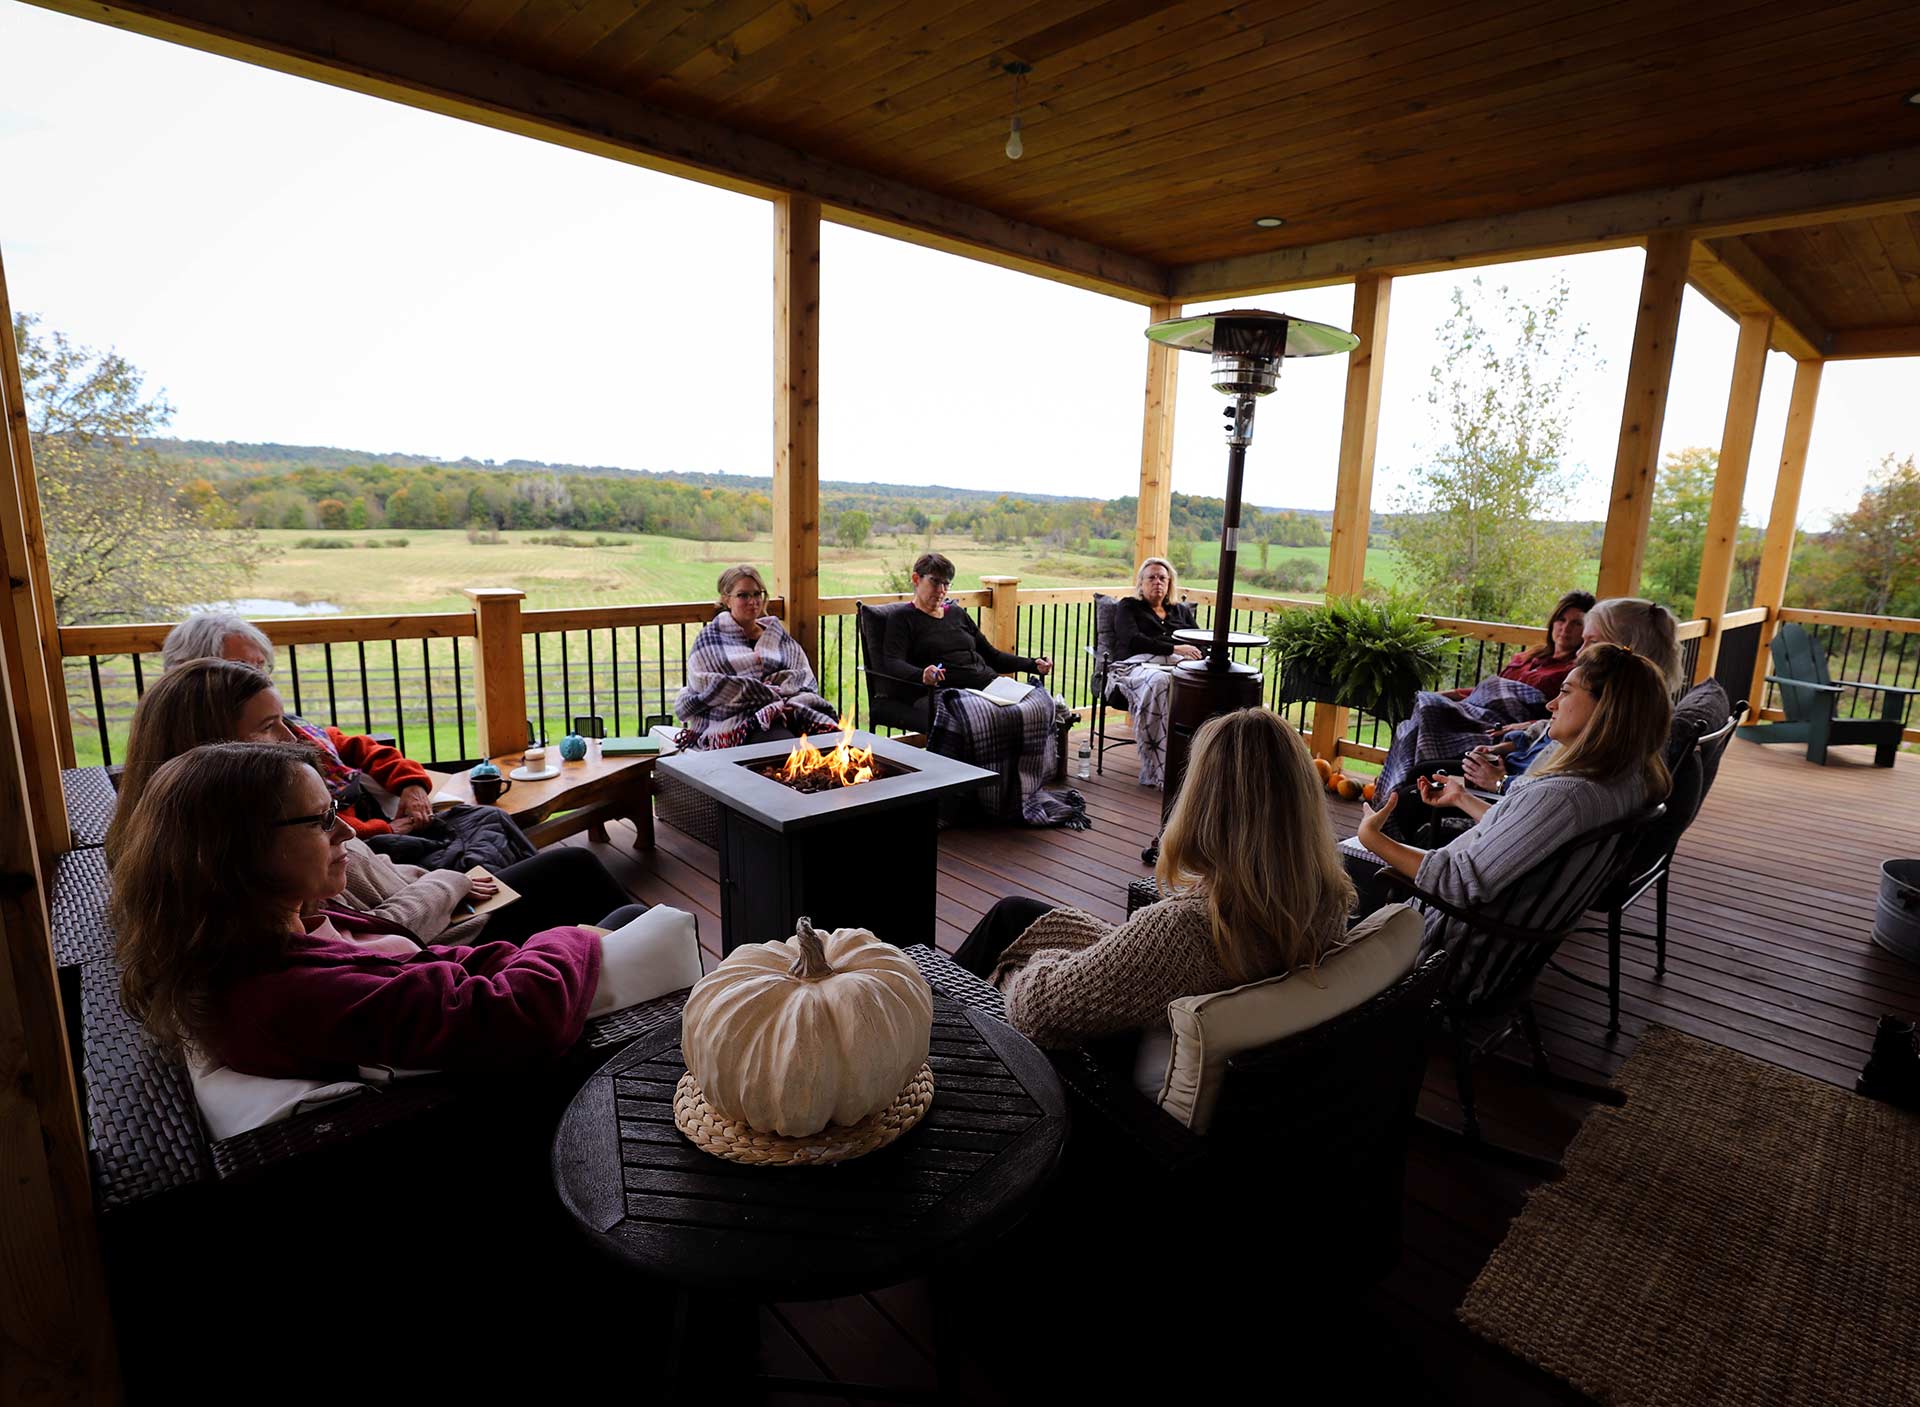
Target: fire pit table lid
727 775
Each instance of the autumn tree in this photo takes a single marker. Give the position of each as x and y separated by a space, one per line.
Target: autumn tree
1869 559
852 528
1472 533
1677 533
128 537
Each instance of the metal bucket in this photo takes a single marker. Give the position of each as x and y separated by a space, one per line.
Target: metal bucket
1896 923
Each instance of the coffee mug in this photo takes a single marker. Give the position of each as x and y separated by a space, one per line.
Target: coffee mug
487 783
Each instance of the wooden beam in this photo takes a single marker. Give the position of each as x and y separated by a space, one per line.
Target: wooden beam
1770 584
1154 513
1858 342
332 43
1883 184
1662 282
796 414
1739 283
15 415
26 659
1003 616
56 1339
502 695
1353 492
1730 486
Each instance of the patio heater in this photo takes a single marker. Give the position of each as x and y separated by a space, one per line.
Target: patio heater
1247 347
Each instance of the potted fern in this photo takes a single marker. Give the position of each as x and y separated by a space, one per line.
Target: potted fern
1373 655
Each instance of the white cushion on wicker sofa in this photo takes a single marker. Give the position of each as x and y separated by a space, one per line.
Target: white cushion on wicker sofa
1183 1067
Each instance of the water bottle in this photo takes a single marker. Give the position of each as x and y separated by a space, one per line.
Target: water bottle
1086 760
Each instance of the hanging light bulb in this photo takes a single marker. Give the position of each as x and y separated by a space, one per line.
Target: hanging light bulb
1015 147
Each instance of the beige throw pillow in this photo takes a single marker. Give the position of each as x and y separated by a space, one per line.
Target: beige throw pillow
1203 1033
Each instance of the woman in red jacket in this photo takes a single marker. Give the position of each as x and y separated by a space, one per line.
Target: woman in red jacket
225 947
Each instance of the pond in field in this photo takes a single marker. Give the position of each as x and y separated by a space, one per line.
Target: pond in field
268 606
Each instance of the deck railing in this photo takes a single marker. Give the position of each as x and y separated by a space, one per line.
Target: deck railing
413 676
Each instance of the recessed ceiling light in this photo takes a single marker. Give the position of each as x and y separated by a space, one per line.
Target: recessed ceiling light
1914 97
1269 222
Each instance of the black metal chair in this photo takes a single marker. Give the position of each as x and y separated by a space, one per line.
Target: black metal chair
1106 695
1810 697
1650 863
893 700
1498 949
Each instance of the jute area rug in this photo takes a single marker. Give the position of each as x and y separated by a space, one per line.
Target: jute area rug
1735 1234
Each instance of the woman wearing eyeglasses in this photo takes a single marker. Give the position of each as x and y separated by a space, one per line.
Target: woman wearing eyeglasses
217 700
748 681
230 944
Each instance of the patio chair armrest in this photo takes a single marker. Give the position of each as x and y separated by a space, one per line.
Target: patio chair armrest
1400 887
905 680
1142 1127
1804 684
1874 688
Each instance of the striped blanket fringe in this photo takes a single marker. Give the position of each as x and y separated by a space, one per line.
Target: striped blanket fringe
1017 742
1445 730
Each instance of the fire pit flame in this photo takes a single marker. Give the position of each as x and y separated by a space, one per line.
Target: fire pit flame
845 766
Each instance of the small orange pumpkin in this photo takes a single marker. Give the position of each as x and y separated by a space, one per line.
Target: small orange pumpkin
1366 792
1324 768
1348 788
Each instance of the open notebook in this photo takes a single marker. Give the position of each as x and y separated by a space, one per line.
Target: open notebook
1005 692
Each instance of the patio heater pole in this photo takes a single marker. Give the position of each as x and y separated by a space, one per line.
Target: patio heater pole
1247 347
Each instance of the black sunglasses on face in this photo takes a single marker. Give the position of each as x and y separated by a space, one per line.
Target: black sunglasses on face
322 822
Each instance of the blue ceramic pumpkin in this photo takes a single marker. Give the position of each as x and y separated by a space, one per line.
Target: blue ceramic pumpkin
573 748
484 770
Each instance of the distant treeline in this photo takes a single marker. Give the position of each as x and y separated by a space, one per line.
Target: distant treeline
274 486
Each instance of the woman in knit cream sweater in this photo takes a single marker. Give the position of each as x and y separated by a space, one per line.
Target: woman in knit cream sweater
1259 890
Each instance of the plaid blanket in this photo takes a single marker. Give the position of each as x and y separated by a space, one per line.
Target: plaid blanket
1444 730
1016 741
736 686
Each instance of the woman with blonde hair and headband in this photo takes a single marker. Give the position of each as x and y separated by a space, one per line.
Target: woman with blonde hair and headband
1143 644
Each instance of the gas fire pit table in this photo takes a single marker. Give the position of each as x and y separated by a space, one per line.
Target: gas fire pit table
861 856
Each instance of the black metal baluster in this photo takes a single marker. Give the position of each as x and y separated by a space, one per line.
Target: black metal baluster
366 700
566 684
859 691
333 700
399 710
613 655
459 700
540 684
100 711
593 696
139 683
293 669
426 673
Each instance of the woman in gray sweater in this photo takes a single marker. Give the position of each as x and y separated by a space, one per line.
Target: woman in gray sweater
1610 722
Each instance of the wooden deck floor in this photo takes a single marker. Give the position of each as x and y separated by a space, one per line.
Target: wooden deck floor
1768 953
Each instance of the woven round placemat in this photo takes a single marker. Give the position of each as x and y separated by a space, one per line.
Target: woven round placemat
738 1142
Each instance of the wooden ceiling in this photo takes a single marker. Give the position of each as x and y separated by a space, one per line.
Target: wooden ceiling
1156 133
1849 288
1164 130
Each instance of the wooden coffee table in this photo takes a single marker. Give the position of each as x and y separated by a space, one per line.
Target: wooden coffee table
584 797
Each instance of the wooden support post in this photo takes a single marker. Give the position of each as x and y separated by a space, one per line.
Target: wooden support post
14 415
503 671
1353 493
796 415
1003 615
26 656
1730 486
1154 513
56 1340
1662 282
1770 586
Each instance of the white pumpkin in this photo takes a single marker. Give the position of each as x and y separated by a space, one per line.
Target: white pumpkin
816 1029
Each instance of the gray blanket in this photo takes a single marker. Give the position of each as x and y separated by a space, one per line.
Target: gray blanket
1017 741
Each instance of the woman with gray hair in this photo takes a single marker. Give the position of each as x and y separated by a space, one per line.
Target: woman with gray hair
217 635
1144 651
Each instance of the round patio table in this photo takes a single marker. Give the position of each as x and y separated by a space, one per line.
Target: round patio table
727 1237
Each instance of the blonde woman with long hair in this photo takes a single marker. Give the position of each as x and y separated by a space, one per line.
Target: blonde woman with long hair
1143 645
1258 890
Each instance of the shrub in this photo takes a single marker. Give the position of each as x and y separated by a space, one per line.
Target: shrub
312 542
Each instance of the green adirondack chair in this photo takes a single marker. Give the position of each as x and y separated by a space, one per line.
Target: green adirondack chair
1810 698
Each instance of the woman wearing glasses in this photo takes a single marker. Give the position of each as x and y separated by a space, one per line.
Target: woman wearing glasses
748 681
230 944
216 700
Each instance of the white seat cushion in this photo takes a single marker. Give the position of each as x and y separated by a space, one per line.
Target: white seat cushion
1183 1068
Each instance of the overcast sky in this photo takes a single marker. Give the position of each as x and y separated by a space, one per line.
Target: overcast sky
300 264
